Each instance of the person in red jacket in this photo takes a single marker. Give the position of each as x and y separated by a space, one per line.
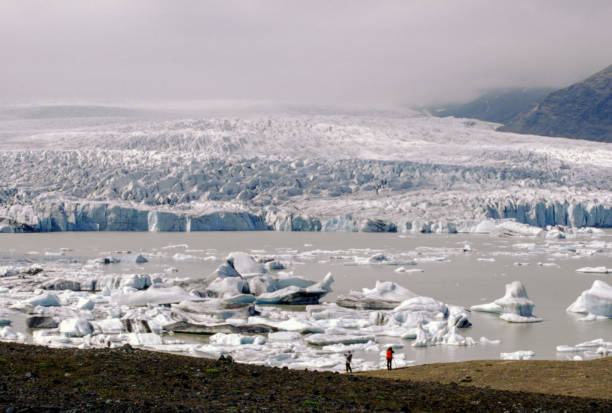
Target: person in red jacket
389 357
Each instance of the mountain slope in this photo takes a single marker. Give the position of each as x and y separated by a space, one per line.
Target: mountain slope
581 111
498 106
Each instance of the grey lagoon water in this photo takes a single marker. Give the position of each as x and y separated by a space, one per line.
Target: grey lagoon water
460 269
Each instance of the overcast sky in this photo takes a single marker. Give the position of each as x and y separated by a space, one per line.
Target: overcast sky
366 53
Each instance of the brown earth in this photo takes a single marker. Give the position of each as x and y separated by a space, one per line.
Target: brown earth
34 378
591 378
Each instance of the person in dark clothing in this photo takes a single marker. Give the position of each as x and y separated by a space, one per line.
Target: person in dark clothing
349 357
389 357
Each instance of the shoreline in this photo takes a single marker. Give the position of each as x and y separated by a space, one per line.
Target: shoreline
129 379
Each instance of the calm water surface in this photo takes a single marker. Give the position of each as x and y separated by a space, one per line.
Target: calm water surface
463 278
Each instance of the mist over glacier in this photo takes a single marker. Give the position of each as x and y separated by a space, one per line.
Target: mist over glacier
84 168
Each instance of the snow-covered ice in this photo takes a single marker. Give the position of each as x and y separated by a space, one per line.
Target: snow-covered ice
518 355
595 302
595 270
514 306
361 172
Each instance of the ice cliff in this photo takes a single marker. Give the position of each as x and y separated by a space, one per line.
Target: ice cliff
383 173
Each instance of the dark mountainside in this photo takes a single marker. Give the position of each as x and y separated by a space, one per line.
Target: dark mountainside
495 106
580 111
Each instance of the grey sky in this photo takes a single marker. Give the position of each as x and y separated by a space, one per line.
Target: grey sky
356 52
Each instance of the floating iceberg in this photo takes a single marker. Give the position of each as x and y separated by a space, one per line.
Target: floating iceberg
596 301
8 334
43 300
117 282
241 275
236 339
514 306
167 295
295 295
244 264
603 347
384 296
329 339
595 270
518 355
75 327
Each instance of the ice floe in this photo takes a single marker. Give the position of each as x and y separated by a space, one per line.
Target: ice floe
518 355
229 281
595 270
588 349
595 302
515 306
7 333
385 295
236 306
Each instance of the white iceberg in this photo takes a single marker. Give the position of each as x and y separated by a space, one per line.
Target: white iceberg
236 339
595 270
144 339
596 301
385 295
294 295
244 264
514 306
167 295
329 339
84 304
9 334
108 326
117 282
518 355
227 287
75 327
484 340
43 300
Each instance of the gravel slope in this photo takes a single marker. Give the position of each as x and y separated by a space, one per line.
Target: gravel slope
41 379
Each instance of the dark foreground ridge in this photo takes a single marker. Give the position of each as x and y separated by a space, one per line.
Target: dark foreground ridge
34 378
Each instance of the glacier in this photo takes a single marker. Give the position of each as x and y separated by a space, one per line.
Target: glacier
379 172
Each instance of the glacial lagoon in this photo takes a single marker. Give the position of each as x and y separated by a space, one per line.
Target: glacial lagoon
458 269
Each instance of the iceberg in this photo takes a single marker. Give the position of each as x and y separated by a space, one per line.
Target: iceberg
108 326
294 295
8 334
167 295
384 296
75 327
514 306
595 270
227 287
151 340
244 264
518 355
596 301
43 300
236 339
329 339
117 282
85 304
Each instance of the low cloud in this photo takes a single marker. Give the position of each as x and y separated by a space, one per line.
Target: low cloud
341 52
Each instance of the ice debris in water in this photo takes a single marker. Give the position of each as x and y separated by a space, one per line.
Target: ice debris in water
603 348
7 333
43 300
595 302
385 295
241 275
595 270
518 355
514 306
